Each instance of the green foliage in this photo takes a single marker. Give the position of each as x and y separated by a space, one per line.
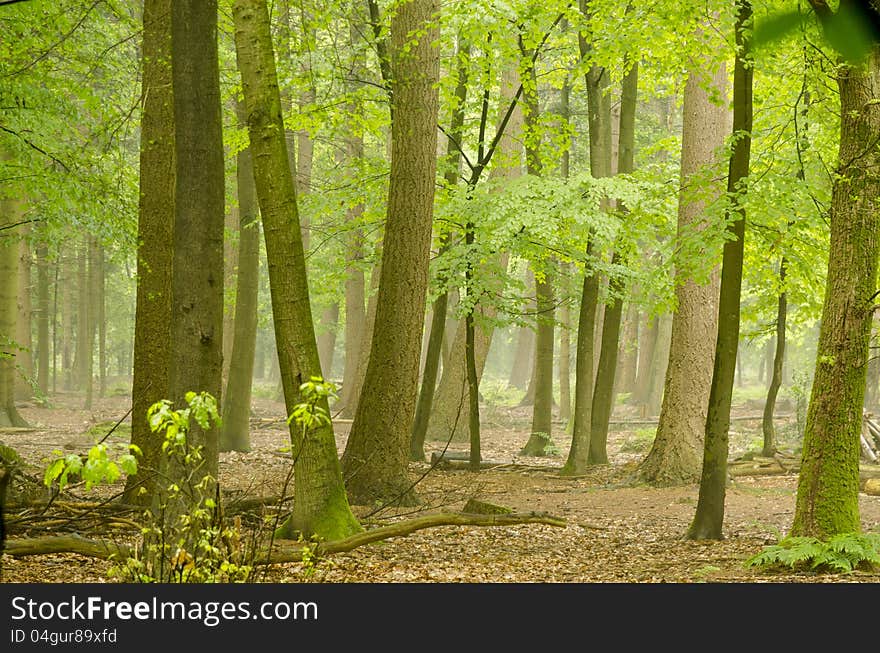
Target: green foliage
843 553
199 545
94 468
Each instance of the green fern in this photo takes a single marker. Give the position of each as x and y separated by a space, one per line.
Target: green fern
843 553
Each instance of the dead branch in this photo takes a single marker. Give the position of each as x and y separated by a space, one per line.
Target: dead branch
283 551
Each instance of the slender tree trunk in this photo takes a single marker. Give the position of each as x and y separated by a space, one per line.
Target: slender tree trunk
377 452
776 381
604 391
539 441
320 505
24 359
436 336
43 319
675 455
355 290
101 318
709 518
599 119
629 352
67 319
82 351
828 487
327 339
235 430
93 305
152 331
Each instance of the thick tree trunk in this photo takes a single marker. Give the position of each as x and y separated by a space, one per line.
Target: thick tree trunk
152 331
709 517
828 487
197 263
675 456
235 430
320 504
377 452
9 214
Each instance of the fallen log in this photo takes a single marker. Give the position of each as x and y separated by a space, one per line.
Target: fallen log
283 550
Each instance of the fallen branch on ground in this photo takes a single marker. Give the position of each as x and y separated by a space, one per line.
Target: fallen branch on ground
283 551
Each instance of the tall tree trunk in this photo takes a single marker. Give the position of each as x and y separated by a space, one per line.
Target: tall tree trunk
327 338
24 359
10 213
43 346
709 518
377 452
604 391
355 287
320 506
767 427
434 348
199 217
67 319
564 369
101 318
599 120
82 352
628 355
828 487
675 455
95 300
235 430
152 330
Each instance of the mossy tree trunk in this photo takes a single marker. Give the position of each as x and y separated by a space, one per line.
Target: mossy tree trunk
152 330
235 430
828 487
24 359
377 452
709 517
320 505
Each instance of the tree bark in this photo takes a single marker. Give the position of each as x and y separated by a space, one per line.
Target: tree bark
152 330
827 497
9 214
377 452
235 430
767 427
604 392
320 504
24 359
675 455
709 518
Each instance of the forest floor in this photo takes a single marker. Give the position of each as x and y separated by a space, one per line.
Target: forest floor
618 531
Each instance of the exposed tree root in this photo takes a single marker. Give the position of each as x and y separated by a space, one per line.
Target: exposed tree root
283 551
